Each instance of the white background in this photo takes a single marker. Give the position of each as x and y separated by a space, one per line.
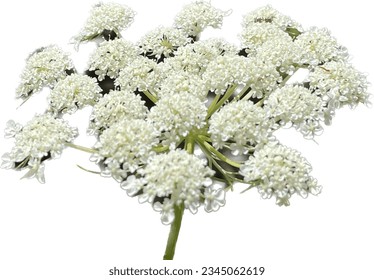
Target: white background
79 225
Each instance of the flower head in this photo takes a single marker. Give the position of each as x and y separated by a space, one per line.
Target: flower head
116 106
298 106
106 19
339 83
124 147
112 56
318 46
44 67
42 138
279 171
177 115
197 16
241 123
162 42
269 15
74 92
255 35
228 71
175 178
139 75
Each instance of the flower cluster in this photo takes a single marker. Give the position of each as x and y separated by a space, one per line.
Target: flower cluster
106 20
44 137
74 92
44 68
279 171
175 178
179 120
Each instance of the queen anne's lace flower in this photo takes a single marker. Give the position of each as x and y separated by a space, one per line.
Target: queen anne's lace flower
298 106
239 122
285 55
177 115
318 46
108 20
197 16
45 67
124 147
176 176
139 75
227 71
179 82
255 35
279 171
42 138
162 42
268 14
74 92
112 56
339 83
115 106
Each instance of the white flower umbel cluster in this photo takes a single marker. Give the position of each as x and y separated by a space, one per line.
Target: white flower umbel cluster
297 106
112 56
175 178
114 107
137 76
44 137
178 115
162 42
106 20
197 16
268 14
44 68
339 83
318 46
124 147
240 123
179 120
74 92
279 171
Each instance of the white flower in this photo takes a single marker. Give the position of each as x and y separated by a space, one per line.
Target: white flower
162 42
339 83
194 58
124 147
179 82
75 91
176 176
42 138
111 56
239 122
284 54
296 105
255 35
139 75
279 171
195 17
226 71
45 67
167 210
268 14
12 129
214 198
177 115
116 106
107 19
318 46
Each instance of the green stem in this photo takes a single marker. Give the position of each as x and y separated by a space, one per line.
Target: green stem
150 96
174 232
226 96
81 148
